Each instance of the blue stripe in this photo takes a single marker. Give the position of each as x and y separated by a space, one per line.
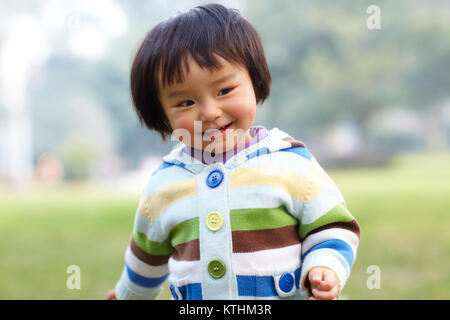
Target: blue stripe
191 291
256 286
163 165
300 151
336 244
178 163
144 281
297 277
260 286
260 151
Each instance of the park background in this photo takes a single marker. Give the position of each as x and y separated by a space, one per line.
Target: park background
372 104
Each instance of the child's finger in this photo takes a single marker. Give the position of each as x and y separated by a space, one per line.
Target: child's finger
329 280
330 276
324 295
324 286
111 295
315 276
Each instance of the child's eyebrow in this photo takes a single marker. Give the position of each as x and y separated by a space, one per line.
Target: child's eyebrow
175 94
224 78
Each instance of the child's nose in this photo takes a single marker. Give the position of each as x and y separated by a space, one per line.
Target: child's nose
210 111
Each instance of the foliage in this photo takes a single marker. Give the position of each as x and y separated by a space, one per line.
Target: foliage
77 157
328 66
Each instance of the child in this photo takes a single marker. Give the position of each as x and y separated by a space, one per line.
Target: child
235 211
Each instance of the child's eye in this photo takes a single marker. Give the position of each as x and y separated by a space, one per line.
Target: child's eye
186 103
224 91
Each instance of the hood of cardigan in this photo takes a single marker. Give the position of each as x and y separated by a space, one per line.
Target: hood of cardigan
274 141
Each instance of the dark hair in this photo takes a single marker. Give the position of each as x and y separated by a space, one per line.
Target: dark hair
201 33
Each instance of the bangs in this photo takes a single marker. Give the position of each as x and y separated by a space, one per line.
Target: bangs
200 36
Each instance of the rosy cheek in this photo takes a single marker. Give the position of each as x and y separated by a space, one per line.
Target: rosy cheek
184 131
243 112
185 123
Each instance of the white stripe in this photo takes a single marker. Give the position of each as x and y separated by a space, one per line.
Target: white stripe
143 268
279 145
159 229
334 233
185 272
166 176
328 198
284 160
127 289
260 197
299 295
267 262
150 228
178 212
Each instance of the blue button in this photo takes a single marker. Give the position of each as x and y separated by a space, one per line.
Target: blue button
215 177
173 292
286 282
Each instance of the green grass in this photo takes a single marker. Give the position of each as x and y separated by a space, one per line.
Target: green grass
403 211
44 231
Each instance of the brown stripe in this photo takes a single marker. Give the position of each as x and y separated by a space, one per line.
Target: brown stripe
352 226
188 251
255 240
295 143
153 260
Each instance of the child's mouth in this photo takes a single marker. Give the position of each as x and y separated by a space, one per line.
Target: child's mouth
225 127
214 132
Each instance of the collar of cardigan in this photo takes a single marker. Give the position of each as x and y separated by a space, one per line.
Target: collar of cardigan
274 141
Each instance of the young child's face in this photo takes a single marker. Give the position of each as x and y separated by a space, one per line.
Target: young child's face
223 100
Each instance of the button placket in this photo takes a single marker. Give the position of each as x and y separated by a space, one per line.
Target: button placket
215 241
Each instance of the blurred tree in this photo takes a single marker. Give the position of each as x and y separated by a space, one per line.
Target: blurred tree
328 66
66 78
427 83
77 156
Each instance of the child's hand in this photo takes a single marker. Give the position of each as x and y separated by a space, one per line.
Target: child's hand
111 295
323 284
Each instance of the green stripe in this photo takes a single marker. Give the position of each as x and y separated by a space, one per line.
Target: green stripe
241 220
151 247
339 213
259 219
184 232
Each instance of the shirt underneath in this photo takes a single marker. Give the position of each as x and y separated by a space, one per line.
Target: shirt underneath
257 133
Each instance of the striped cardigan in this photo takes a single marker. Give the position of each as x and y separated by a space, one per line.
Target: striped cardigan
281 215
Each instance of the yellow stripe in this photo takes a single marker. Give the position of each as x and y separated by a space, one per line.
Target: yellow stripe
300 187
153 205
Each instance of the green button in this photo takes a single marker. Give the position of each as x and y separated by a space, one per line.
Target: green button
216 269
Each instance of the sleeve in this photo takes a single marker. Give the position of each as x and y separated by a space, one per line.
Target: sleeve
146 259
329 233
